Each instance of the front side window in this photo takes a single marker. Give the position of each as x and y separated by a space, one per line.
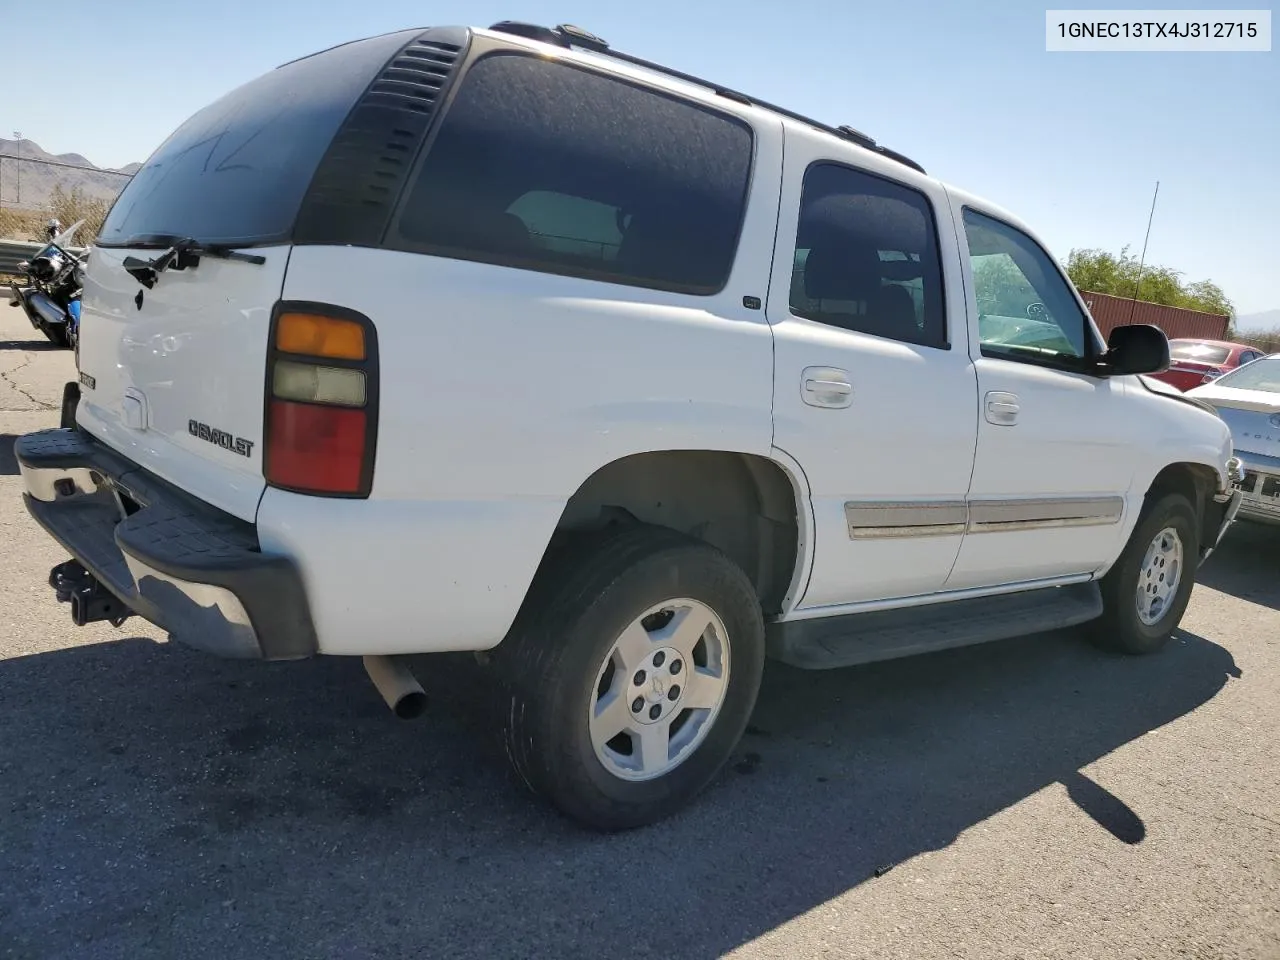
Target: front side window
549 167
867 257
1026 310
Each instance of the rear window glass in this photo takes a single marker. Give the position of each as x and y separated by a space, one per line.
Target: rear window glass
1203 352
544 166
1262 374
237 171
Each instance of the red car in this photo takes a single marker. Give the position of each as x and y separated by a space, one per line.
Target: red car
1201 361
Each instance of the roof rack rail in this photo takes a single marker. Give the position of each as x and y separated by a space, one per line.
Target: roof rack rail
568 36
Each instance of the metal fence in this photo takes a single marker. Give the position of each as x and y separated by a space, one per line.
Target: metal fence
1110 312
12 251
34 190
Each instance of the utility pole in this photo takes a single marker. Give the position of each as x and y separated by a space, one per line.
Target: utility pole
17 135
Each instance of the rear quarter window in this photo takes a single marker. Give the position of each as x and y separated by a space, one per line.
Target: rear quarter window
236 172
550 167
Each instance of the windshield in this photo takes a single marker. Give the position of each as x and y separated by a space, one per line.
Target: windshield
1203 352
1263 374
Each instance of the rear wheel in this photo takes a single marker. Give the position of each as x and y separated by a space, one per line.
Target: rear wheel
630 676
1147 591
57 335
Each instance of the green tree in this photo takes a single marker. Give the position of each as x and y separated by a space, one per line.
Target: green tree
1000 287
1100 271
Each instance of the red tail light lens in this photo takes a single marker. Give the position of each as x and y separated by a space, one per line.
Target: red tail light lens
322 393
316 448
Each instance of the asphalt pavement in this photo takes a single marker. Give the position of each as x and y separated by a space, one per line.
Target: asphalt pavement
1030 798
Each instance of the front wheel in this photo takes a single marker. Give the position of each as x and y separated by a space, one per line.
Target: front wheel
1147 591
630 676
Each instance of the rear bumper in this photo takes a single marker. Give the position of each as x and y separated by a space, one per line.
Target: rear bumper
187 567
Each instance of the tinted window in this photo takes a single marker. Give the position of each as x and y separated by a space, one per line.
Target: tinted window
236 172
1203 352
1264 374
1026 308
548 167
867 257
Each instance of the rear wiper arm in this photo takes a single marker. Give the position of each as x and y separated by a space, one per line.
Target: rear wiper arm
181 255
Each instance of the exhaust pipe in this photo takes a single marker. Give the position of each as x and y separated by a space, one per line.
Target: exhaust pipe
398 686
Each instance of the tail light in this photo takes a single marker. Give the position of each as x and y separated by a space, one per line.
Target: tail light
1213 373
322 391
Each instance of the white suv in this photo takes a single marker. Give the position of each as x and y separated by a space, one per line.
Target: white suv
502 341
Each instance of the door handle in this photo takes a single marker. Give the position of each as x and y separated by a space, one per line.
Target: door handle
1002 408
826 387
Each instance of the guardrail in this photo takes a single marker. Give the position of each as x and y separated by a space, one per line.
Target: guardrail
11 251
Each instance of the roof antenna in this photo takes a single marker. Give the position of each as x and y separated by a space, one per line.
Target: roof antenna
1143 262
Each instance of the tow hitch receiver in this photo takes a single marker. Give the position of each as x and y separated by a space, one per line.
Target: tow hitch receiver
90 601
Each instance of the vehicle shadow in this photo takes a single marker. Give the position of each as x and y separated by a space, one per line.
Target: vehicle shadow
160 803
35 345
1246 564
8 460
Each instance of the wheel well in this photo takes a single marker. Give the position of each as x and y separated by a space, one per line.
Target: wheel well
742 504
1196 482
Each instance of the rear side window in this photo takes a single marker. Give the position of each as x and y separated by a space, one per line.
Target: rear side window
867 257
237 171
544 166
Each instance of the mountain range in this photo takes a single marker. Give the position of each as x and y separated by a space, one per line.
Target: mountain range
28 183
1263 322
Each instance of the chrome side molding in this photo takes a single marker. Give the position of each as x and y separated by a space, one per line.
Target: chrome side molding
875 519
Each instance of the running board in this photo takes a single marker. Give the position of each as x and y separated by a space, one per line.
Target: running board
854 638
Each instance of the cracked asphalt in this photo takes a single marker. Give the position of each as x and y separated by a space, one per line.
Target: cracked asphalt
1032 798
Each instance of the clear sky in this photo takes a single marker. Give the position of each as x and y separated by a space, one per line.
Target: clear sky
1071 142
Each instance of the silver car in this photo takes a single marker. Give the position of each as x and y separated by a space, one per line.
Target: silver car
1248 399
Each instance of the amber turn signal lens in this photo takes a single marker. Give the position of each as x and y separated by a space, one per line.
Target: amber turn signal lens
317 336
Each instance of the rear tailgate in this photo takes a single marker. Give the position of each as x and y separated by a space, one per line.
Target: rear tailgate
173 374
173 377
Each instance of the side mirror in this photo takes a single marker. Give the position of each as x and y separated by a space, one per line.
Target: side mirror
1136 348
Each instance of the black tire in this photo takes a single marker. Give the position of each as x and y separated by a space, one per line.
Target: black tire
1120 627
57 335
549 665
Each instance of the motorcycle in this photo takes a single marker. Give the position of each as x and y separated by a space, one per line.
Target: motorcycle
55 281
